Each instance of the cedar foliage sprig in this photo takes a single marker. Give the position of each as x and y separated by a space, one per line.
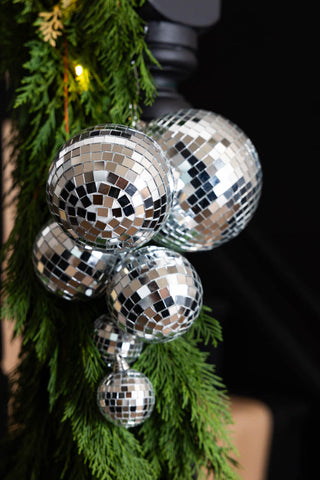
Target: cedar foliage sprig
191 413
56 428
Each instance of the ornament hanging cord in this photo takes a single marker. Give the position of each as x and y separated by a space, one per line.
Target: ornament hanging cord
65 85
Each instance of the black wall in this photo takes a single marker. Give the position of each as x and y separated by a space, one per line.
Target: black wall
257 67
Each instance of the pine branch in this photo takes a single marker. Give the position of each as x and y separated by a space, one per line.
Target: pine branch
206 329
188 393
50 25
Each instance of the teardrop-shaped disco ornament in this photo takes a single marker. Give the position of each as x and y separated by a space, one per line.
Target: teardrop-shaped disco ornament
218 178
112 341
110 187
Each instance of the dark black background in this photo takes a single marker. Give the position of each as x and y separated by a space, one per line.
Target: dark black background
257 67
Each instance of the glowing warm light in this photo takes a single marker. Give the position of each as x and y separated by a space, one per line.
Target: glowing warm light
82 77
79 70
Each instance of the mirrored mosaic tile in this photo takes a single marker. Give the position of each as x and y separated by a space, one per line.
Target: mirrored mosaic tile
218 178
67 269
112 341
126 398
155 294
110 187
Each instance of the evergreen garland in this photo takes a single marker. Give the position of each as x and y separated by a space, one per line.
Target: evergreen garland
57 430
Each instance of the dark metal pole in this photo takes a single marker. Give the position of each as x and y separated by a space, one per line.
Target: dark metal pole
172 36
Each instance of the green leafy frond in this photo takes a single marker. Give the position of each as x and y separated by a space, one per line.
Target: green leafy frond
188 393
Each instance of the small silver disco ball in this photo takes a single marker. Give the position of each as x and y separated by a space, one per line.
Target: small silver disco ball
110 187
68 270
218 179
112 341
126 398
155 294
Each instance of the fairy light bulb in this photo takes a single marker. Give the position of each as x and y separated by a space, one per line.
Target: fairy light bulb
79 70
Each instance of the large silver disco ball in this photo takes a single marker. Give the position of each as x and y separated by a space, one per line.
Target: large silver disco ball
155 294
68 270
218 178
110 187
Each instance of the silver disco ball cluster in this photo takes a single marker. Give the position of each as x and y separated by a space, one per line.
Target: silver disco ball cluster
191 182
126 397
67 269
155 294
110 187
112 341
217 175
